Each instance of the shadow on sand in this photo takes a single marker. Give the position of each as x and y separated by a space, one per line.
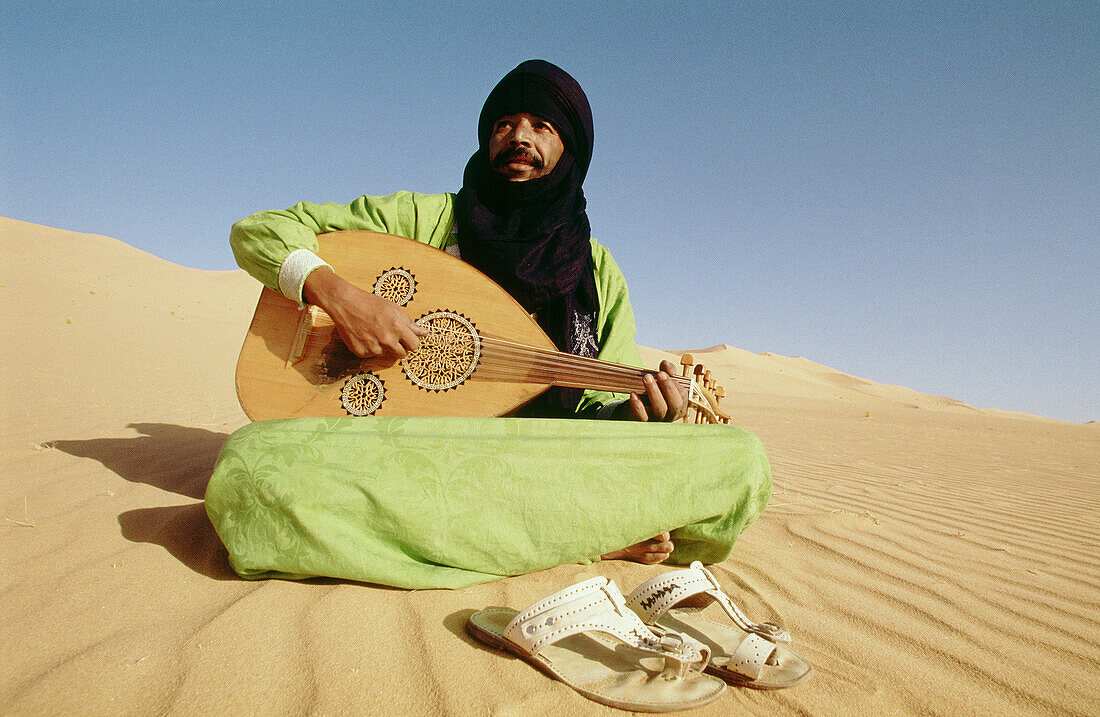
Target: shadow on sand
185 532
177 459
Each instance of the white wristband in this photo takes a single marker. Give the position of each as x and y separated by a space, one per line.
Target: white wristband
292 274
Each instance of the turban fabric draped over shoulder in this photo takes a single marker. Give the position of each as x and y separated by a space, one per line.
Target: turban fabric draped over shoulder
533 237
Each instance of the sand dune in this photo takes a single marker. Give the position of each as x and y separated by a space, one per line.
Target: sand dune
927 556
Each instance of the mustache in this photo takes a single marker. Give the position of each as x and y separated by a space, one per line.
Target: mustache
518 153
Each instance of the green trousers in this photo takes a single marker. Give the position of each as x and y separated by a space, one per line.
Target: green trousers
449 502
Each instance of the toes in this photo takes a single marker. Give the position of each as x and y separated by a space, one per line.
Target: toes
657 552
648 552
664 546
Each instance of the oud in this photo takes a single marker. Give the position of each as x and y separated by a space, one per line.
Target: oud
483 354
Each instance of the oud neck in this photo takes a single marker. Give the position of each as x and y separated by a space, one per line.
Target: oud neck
504 360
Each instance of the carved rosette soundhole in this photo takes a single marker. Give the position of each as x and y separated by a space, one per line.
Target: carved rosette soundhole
396 285
448 355
363 394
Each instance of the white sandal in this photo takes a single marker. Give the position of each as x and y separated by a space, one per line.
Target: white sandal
745 654
586 637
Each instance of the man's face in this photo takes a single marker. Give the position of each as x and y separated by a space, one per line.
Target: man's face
524 146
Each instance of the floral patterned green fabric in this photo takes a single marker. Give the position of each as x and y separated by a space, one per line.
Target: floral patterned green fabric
449 502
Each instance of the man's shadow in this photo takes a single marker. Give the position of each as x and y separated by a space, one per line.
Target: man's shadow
177 459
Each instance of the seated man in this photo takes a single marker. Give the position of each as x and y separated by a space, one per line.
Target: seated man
520 218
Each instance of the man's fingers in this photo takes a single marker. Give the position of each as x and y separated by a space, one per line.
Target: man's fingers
664 399
676 396
637 408
410 337
390 332
396 349
361 347
403 341
393 343
657 405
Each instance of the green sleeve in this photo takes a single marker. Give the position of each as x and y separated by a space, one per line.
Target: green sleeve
264 240
614 327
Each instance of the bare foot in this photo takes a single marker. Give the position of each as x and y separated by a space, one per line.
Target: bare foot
650 552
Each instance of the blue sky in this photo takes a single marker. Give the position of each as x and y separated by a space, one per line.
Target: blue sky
907 192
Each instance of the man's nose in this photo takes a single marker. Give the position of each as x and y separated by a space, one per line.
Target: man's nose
522 132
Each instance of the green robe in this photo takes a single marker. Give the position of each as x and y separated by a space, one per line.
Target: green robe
449 502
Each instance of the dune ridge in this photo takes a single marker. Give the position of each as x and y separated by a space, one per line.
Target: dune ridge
927 556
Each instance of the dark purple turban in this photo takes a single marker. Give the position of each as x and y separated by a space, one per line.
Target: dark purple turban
533 237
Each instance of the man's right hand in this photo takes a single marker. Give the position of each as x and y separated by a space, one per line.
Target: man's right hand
369 325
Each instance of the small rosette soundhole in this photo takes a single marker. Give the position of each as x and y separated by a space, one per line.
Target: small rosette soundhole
397 285
363 394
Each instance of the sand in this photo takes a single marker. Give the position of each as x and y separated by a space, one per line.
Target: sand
927 557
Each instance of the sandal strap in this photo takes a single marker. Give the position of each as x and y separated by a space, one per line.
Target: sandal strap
654 597
750 656
597 605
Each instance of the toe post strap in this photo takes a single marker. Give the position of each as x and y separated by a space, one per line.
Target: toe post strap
653 598
751 656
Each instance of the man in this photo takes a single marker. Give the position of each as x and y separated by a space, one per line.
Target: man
520 218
